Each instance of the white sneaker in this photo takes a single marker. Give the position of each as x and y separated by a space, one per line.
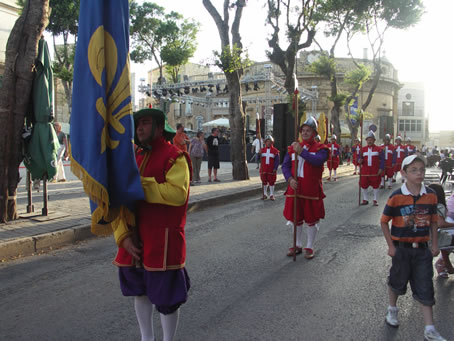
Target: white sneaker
432 335
391 317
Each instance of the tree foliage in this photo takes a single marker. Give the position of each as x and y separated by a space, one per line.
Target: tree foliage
165 38
299 22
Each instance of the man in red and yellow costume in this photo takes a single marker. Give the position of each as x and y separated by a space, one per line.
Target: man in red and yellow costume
308 184
268 167
390 159
372 164
401 154
333 159
151 260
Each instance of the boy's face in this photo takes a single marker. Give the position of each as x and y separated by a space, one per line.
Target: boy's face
370 141
414 172
268 143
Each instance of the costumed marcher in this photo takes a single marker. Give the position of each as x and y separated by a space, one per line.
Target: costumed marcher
310 209
356 151
390 159
411 149
151 257
372 164
268 167
401 154
333 158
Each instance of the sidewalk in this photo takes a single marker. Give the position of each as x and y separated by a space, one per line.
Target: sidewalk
69 214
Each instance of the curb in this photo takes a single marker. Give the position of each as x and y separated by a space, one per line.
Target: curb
27 246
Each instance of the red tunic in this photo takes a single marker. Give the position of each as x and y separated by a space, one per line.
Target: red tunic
370 166
411 149
388 154
356 150
267 167
333 158
161 227
310 189
401 153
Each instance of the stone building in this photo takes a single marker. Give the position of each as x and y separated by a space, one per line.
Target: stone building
9 13
201 97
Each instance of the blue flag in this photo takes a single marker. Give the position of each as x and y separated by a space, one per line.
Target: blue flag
102 128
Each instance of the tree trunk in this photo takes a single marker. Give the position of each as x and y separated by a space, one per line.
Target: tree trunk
335 111
21 52
237 129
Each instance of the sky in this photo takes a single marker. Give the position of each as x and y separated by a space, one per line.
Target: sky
423 53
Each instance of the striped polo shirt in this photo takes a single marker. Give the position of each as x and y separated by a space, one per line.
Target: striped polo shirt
411 215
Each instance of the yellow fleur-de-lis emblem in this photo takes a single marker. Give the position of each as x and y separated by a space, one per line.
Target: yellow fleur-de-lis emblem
102 54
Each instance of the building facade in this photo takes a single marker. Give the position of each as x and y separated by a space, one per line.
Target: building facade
9 13
412 118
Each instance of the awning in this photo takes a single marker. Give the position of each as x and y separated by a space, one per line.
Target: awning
220 122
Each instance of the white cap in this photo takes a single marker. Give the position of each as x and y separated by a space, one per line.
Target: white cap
410 159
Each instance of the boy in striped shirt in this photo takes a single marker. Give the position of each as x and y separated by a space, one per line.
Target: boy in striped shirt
412 210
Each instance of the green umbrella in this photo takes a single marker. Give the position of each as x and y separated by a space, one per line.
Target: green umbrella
41 151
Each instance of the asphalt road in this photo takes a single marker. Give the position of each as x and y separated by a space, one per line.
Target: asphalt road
243 285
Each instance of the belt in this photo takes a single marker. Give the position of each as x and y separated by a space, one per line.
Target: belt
423 245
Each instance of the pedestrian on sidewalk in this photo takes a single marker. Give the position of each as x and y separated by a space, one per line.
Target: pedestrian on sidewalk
62 153
257 145
196 149
308 186
213 154
333 158
372 164
412 210
181 139
268 167
151 260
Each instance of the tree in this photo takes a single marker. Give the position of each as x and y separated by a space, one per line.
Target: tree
382 16
21 52
299 21
165 38
63 22
232 62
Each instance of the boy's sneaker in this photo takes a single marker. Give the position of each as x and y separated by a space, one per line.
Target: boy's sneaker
433 335
391 317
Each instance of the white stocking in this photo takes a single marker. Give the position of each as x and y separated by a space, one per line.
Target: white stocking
299 236
272 190
364 191
169 325
382 183
375 193
330 173
390 182
144 313
265 189
356 168
311 233
335 174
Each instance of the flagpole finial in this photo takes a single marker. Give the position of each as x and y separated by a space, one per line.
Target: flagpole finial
295 80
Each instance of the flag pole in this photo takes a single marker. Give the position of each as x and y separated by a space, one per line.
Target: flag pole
295 199
259 137
360 151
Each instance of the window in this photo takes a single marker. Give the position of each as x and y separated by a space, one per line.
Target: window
410 125
418 125
401 125
407 125
408 108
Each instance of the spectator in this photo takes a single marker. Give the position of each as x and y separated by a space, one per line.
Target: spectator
257 145
446 166
62 153
181 139
443 264
196 149
213 154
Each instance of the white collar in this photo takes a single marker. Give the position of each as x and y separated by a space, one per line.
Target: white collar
405 190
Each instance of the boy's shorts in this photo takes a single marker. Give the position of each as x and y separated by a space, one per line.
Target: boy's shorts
414 265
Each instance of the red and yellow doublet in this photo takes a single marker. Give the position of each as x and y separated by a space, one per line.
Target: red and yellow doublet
161 217
267 166
310 189
388 154
333 159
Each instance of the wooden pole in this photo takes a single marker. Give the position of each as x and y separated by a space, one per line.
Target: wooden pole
360 151
295 199
44 210
30 207
259 137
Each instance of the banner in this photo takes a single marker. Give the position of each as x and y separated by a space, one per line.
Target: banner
102 128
